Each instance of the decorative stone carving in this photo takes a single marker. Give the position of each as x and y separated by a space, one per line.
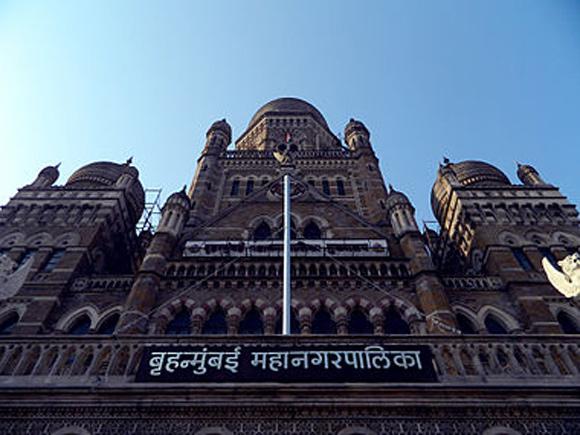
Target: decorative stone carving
566 282
12 277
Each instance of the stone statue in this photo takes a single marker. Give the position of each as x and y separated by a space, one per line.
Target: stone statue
12 277
566 282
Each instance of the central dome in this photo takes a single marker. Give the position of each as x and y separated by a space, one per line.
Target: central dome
287 106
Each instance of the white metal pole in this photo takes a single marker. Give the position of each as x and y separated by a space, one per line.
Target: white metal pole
287 302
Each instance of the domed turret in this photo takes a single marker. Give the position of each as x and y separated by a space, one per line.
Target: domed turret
469 173
529 176
101 175
356 135
218 136
401 212
473 173
283 117
174 213
287 106
46 177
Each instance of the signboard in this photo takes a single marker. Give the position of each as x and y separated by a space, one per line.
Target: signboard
281 363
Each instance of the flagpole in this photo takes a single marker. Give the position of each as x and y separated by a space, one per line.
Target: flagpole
287 297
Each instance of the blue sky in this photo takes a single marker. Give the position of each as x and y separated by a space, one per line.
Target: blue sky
104 80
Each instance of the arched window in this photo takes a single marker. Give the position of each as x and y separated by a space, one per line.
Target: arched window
523 259
294 324
323 323
326 187
235 188
109 325
311 231
265 181
249 186
53 261
8 324
180 325
340 187
81 326
494 326
262 232
216 324
394 324
567 323
465 325
359 323
280 232
252 323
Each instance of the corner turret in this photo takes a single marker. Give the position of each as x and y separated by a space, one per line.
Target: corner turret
46 177
401 212
530 176
357 136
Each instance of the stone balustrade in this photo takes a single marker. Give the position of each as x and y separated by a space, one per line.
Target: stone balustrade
476 360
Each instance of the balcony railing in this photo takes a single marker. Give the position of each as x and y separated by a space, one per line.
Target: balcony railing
476 360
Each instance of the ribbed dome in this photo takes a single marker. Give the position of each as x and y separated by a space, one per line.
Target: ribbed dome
287 106
470 173
97 174
474 173
100 175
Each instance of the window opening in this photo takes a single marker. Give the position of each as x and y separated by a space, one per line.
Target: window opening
216 323
81 326
493 326
53 261
8 324
252 323
522 258
359 323
109 325
180 325
340 187
235 188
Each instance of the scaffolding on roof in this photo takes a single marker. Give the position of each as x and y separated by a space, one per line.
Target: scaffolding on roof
151 213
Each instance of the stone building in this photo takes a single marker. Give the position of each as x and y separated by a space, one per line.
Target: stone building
98 297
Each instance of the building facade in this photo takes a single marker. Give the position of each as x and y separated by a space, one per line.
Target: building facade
97 296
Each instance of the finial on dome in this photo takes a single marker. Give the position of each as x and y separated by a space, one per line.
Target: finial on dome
129 161
446 161
57 165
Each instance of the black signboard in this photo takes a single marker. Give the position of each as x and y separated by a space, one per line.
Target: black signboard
281 363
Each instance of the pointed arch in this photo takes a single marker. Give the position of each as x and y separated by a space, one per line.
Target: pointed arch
312 231
467 321
80 326
262 231
216 323
359 323
66 322
9 322
108 324
323 323
568 323
394 322
252 323
495 319
180 324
